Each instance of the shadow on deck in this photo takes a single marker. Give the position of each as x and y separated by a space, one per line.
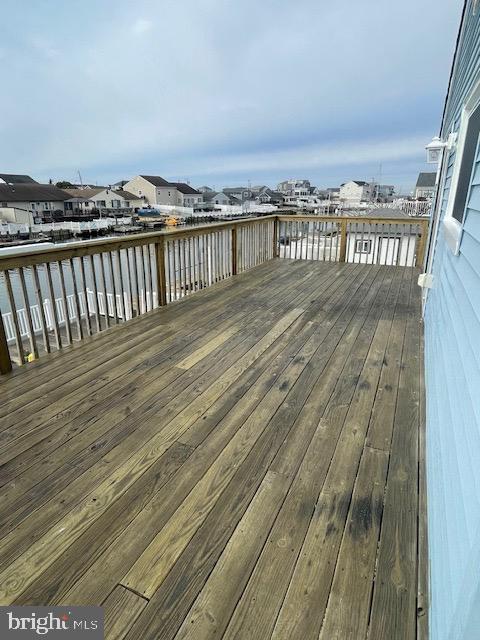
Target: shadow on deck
241 464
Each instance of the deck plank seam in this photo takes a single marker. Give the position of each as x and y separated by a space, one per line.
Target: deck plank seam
347 510
374 580
136 593
362 453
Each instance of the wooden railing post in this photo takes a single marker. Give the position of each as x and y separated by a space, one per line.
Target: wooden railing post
5 360
422 243
234 250
161 280
276 244
343 241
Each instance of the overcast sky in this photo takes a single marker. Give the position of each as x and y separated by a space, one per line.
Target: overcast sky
223 91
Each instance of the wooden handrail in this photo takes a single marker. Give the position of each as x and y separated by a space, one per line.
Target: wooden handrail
359 219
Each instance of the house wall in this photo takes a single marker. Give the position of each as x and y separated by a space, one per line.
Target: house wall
17 215
354 193
168 195
190 199
424 192
38 208
221 198
140 187
110 195
154 195
452 362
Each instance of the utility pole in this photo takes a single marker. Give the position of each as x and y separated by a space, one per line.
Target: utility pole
379 180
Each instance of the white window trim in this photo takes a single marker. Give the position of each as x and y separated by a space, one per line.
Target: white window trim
363 242
453 229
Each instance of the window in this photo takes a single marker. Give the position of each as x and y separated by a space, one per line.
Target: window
363 246
465 154
466 165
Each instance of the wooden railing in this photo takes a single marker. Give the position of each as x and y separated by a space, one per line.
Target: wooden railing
58 296
370 240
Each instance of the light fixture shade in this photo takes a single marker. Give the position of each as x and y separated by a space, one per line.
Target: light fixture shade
434 150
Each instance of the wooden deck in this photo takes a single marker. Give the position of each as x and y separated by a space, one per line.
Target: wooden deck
241 464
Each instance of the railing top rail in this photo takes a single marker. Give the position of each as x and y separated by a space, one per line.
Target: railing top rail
359 219
92 247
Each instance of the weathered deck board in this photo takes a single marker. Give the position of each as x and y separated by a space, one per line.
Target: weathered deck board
121 609
242 464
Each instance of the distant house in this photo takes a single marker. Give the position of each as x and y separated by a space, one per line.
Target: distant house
333 193
30 202
295 187
211 198
240 193
105 199
187 196
425 187
16 178
384 192
156 190
267 196
153 189
356 191
222 198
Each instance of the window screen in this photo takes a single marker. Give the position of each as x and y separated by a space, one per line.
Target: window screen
468 158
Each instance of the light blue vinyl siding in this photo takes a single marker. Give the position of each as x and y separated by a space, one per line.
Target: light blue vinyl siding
452 363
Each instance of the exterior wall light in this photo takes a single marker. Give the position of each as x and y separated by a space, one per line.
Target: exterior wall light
434 150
